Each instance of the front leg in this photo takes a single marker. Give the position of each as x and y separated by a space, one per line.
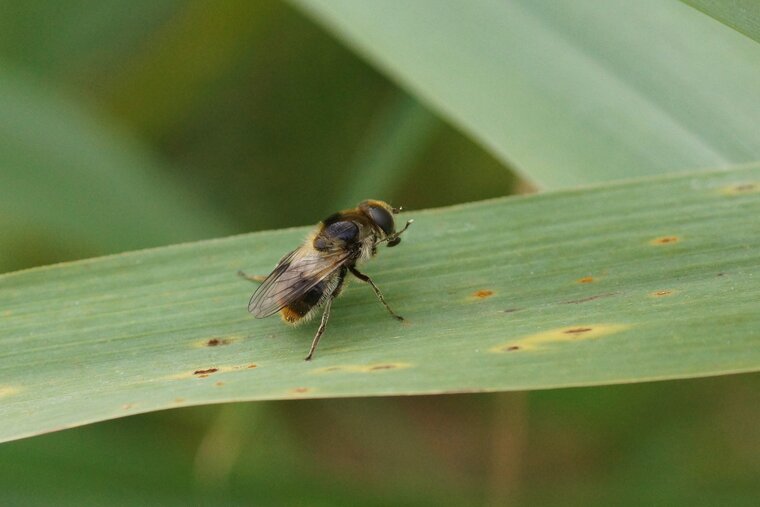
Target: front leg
364 278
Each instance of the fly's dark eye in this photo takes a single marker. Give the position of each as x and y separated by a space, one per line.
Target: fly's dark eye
382 218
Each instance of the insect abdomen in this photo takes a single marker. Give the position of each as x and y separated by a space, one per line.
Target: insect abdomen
300 308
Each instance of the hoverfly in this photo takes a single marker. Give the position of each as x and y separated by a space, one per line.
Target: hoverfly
313 275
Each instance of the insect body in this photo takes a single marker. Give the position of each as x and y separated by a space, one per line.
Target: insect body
313 275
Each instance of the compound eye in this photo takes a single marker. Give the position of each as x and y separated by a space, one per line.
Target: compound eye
382 218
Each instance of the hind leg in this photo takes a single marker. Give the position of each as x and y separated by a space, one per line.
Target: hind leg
252 278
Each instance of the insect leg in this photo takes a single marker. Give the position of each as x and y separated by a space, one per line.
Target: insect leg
322 325
364 278
326 314
252 278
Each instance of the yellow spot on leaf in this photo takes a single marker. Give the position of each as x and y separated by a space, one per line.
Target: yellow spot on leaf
562 334
741 189
6 391
363 368
300 390
586 279
482 294
661 293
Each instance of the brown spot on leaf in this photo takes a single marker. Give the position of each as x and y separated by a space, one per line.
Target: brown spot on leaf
300 390
203 373
578 330
661 293
219 383
482 293
513 348
590 298
179 400
216 341
382 367
586 279
511 310
665 240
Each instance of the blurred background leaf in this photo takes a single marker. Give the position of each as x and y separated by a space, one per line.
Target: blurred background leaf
241 104
741 15
255 118
569 92
73 185
689 442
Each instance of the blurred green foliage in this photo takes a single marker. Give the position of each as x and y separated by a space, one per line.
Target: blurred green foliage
211 118
257 115
676 443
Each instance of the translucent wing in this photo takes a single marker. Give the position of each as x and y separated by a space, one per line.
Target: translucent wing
294 275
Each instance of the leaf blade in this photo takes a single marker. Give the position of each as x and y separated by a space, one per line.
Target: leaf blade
640 281
741 15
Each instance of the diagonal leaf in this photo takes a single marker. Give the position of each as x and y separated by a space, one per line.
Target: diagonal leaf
570 92
741 15
646 280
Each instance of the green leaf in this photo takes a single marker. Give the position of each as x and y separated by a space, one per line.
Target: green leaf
741 15
569 92
655 279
